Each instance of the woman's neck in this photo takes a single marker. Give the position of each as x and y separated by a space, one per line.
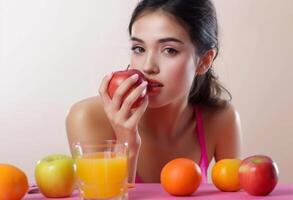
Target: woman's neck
168 122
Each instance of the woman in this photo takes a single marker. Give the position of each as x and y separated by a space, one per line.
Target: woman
174 44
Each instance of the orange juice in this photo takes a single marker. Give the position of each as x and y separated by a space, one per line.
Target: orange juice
101 176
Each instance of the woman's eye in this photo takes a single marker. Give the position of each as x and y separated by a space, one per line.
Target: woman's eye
137 50
170 51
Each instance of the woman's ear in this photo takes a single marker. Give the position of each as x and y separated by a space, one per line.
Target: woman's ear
206 61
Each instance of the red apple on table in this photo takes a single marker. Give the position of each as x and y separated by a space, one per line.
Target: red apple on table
119 76
54 175
258 175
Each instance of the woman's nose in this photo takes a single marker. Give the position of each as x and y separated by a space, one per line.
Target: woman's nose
150 65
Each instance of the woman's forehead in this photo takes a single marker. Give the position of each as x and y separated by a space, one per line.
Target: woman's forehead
156 25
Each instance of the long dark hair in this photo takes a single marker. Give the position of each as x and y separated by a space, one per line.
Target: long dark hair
200 20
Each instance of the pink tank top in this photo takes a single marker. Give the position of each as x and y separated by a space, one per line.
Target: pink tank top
203 163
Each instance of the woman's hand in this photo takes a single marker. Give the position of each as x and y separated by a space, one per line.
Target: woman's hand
123 119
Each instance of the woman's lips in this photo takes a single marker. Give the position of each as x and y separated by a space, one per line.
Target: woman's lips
153 86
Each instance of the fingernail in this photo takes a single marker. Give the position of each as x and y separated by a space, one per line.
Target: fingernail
143 93
134 76
144 84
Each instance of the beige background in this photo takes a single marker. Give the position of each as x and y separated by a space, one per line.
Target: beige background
55 52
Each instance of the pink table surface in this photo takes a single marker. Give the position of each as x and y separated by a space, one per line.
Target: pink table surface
206 192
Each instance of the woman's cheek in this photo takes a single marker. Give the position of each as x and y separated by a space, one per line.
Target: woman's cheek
179 74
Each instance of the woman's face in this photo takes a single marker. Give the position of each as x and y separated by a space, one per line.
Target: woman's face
163 51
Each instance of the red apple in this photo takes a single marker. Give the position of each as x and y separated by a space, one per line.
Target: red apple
258 175
119 76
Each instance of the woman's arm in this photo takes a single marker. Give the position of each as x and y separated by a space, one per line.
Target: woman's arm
229 138
87 122
111 118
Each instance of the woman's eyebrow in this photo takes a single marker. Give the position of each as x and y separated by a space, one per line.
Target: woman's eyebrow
136 39
163 40
170 39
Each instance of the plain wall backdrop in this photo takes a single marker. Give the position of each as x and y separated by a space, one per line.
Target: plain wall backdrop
54 53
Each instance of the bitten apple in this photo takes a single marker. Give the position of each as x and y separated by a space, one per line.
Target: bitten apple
119 76
258 175
54 175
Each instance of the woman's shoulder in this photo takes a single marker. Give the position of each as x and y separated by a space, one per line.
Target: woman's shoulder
221 115
89 107
225 130
89 113
221 122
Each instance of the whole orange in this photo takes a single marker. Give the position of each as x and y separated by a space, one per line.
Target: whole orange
13 182
225 175
181 177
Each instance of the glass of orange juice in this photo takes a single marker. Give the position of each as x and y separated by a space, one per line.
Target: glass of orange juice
102 170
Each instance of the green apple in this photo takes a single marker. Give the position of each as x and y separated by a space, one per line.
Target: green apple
54 175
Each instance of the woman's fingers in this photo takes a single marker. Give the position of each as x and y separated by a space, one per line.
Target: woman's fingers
120 92
123 118
126 113
104 87
137 113
139 91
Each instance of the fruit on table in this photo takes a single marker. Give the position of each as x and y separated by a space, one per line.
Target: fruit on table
181 177
225 175
55 175
258 175
13 182
118 77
